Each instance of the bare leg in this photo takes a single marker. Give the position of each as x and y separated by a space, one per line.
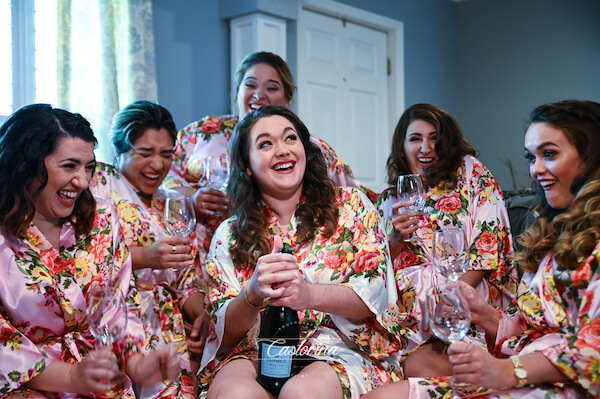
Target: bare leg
396 390
317 380
429 360
237 379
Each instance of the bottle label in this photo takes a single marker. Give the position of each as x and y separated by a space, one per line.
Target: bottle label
276 361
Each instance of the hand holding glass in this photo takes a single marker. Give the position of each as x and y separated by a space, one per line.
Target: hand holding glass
449 318
180 216
410 189
450 255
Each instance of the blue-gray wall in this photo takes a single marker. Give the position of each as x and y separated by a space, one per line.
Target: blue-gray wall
488 62
513 56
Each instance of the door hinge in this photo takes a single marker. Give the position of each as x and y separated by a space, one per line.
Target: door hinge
389 67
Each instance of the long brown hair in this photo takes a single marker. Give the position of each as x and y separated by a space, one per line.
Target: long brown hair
570 233
450 145
316 211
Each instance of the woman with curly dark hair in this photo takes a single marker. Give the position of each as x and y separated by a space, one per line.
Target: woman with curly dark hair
336 278
546 344
460 192
58 245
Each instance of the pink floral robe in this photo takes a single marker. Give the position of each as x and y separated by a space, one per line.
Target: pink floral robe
355 256
162 291
477 206
556 313
43 295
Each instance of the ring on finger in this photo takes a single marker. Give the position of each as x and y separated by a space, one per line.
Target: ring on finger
174 248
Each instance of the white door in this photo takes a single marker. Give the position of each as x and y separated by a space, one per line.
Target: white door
342 92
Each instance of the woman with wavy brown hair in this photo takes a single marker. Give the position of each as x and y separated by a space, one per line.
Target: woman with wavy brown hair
460 192
335 278
546 344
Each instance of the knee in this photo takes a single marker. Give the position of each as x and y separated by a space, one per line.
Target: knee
417 368
310 388
237 390
295 388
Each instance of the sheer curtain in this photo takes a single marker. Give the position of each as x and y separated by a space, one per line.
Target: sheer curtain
105 57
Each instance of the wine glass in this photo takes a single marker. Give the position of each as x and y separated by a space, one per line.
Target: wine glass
217 171
450 254
195 168
410 189
107 315
180 216
449 318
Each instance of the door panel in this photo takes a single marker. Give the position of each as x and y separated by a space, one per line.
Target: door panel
342 91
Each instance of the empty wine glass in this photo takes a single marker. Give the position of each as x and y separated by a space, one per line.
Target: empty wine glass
217 171
450 254
107 315
195 168
449 318
180 216
410 189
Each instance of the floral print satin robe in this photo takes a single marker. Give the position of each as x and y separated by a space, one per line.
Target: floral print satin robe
211 136
355 256
43 295
476 205
556 312
162 291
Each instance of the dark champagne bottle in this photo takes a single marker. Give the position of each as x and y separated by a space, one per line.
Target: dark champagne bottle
277 343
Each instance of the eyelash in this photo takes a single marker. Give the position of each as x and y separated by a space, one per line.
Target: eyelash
253 86
549 154
265 143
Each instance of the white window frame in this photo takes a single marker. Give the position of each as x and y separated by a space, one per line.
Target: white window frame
23 53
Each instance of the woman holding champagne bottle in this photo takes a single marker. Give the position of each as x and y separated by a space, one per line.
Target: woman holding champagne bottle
165 257
335 279
459 193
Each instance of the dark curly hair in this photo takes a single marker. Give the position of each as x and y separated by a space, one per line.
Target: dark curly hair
570 233
132 121
316 211
27 137
450 145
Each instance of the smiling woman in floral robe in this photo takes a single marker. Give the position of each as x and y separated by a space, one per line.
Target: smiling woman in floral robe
338 278
546 344
354 256
476 206
43 294
162 291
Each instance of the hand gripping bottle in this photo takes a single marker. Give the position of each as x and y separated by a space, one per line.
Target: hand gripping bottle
277 343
